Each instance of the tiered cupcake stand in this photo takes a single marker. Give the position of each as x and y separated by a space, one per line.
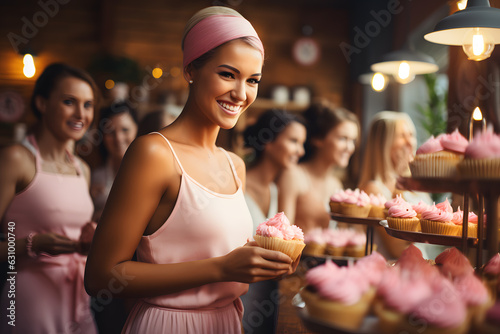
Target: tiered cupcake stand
487 193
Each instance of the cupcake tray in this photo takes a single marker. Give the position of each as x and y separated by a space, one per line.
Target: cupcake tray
438 239
355 220
369 325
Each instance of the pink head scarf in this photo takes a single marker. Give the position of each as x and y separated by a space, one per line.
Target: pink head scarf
214 31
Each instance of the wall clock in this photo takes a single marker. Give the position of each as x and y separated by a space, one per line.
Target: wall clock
306 51
11 107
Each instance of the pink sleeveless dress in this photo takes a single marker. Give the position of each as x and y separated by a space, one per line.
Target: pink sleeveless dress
203 224
49 292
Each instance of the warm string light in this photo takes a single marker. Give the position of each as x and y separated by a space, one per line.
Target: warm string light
29 68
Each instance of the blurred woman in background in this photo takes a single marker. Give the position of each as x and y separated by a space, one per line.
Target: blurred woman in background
118 127
305 190
45 203
277 142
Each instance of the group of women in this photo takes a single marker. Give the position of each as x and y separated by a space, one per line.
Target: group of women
184 207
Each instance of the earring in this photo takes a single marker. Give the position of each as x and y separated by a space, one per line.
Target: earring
190 82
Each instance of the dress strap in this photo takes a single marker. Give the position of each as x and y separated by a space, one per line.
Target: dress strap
30 143
172 149
235 175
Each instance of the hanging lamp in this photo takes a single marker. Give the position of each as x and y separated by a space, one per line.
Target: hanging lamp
404 64
476 29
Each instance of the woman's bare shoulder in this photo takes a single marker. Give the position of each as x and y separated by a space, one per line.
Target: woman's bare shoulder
16 156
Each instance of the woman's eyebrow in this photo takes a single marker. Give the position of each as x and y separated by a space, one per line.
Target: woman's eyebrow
238 71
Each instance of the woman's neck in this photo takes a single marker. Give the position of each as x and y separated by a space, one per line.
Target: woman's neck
264 172
51 148
192 130
318 166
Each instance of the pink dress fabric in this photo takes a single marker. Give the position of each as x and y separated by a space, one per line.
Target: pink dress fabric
203 224
50 296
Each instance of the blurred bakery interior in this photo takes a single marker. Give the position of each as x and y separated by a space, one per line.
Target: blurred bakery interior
316 50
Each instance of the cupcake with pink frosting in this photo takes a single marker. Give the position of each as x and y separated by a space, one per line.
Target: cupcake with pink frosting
482 157
356 245
402 217
437 221
377 206
439 157
356 204
443 312
420 207
277 234
453 264
336 241
396 200
340 296
476 297
315 241
335 201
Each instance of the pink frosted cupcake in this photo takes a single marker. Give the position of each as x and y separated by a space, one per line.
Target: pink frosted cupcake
403 217
396 200
335 201
476 297
419 208
277 234
453 264
458 219
338 296
438 157
393 306
437 221
356 245
377 209
356 204
450 316
315 242
482 157
336 241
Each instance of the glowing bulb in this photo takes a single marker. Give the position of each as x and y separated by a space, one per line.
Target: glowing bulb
29 68
477 44
461 4
378 82
477 115
157 72
109 84
404 75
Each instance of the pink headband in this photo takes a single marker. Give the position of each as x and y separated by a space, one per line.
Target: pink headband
214 31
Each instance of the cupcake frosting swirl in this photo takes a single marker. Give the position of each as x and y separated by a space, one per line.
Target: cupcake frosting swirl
420 207
403 210
435 214
445 206
485 145
452 310
431 145
396 200
454 142
471 289
279 227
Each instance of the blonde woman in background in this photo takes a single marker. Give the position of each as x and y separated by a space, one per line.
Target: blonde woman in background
390 146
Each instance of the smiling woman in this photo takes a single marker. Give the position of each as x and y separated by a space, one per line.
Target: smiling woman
44 196
178 199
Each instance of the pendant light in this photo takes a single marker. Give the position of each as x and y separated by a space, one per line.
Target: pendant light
404 64
476 29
